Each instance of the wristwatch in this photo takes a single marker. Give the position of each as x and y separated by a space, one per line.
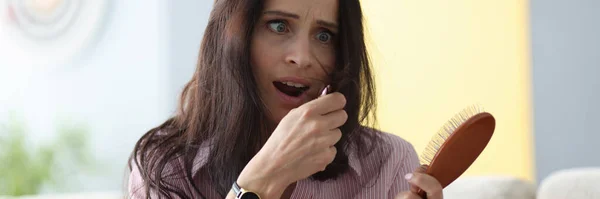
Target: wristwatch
241 193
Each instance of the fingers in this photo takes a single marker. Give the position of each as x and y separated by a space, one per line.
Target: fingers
332 152
335 119
326 104
421 169
330 138
407 195
325 157
420 180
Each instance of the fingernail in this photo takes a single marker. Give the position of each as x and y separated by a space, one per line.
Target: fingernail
325 91
408 176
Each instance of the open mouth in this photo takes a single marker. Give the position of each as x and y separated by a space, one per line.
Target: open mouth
290 88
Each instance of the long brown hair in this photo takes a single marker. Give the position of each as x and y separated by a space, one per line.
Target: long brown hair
221 107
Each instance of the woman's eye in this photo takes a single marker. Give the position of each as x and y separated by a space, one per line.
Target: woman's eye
324 37
277 26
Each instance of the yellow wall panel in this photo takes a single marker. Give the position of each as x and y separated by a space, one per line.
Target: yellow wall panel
435 57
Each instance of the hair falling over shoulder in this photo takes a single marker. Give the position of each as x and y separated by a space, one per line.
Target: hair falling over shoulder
221 108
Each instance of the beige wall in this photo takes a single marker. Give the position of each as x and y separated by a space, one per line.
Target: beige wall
435 57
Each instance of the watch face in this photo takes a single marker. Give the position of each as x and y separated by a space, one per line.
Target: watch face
249 195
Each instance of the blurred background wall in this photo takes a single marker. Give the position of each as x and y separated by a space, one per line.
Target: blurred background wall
566 68
124 83
434 58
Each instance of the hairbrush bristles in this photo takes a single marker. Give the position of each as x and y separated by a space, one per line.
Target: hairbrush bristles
440 137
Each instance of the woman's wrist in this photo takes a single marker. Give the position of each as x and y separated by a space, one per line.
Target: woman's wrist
265 187
261 180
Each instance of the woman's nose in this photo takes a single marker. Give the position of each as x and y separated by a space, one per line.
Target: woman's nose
299 53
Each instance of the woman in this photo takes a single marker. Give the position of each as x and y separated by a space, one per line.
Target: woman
251 123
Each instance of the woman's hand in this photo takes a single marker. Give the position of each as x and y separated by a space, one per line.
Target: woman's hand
419 180
301 145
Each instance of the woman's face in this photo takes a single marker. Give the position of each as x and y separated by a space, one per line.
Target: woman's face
292 52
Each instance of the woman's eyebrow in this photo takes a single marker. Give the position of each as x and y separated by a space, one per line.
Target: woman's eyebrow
327 24
281 13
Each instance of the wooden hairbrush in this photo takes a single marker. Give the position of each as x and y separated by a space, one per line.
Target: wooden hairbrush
457 145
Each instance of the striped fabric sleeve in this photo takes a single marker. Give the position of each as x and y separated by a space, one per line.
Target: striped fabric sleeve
173 175
409 163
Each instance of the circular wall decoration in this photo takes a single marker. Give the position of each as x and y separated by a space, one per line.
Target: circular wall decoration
44 19
54 31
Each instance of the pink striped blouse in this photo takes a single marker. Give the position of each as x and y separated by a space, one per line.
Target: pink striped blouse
379 175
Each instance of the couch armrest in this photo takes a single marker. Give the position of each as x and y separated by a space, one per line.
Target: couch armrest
490 187
571 183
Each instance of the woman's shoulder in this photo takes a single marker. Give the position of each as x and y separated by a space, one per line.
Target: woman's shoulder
389 141
387 150
398 143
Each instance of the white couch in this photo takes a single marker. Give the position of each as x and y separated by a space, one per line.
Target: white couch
490 187
571 183
575 183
